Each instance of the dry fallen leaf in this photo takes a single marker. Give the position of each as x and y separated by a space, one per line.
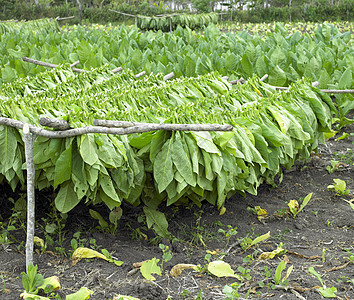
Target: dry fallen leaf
177 269
137 265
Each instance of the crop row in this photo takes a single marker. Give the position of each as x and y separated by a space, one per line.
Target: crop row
271 129
286 58
168 23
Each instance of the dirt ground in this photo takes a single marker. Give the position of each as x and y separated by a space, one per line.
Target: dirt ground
321 236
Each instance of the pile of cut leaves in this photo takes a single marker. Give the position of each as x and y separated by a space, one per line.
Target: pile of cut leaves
271 130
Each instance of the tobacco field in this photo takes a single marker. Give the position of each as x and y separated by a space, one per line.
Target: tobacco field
212 214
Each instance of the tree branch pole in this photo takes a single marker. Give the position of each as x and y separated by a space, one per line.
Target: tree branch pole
162 126
29 138
136 128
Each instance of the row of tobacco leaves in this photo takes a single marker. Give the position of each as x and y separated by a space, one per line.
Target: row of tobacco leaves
271 130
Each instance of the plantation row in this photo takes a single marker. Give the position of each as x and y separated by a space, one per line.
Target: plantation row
271 129
323 57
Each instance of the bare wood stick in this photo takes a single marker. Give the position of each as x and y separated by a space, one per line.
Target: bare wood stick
283 88
38 62
163 126
238 81
65 18
54 123
225 77
338 91
29 141
140 74
44 64
74 64
129 15
116 70
265 76
168 76
315 84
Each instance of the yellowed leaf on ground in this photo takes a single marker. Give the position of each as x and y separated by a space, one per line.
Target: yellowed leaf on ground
261 213
177 269
220 268
222 210
82 252
38 241
26 295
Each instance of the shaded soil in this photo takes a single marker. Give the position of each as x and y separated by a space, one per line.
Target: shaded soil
321 236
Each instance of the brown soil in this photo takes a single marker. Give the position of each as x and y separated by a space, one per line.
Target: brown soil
321 236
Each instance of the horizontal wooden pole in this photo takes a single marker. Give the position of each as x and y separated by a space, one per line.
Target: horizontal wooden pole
163 126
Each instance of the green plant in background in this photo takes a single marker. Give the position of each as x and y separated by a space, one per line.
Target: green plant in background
228 233
294 205
231 291
53 228
114 217
339 187
346 157
166 254
324 291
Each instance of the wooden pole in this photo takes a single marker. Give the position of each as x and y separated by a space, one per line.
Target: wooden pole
29 141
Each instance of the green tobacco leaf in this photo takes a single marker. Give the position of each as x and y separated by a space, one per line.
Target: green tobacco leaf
66 199
8 145
158 220
346 80
150 267
88 149
182 160
205 141
62 170
163 171
277 77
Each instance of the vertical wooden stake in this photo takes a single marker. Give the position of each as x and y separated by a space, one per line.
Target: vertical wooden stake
29 141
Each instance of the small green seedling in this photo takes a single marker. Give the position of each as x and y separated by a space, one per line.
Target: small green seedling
333 167
31 280
277 276
248 243
229 233
324 291
294 205
343 136
339 187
